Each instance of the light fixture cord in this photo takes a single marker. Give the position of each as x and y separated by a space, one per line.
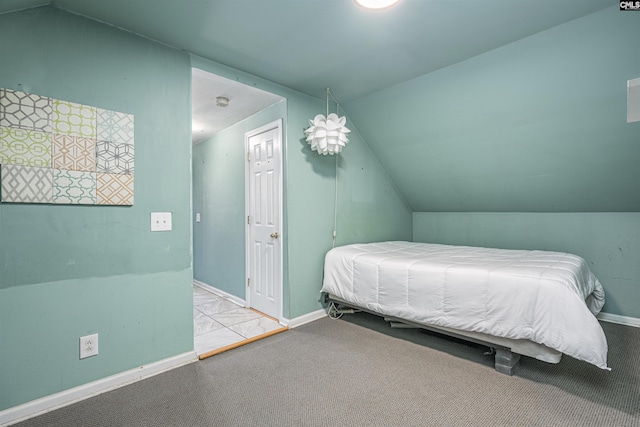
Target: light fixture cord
335 206
328 93
335 203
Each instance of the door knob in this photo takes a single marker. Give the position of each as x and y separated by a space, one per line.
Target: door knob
275 235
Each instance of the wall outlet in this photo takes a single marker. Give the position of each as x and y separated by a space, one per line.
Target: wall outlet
88 346
160 221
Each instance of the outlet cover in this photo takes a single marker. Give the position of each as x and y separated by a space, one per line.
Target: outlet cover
88 346
160 221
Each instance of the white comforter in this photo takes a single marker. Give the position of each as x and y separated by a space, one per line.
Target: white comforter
547 297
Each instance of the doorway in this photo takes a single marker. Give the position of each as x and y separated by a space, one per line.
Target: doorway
219 181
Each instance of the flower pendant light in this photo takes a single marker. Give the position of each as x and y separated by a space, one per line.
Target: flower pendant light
327 135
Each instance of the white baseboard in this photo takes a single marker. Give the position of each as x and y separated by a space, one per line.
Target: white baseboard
621 320
291 323
85 391
305 318
234 299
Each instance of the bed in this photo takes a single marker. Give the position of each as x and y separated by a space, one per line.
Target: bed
539 304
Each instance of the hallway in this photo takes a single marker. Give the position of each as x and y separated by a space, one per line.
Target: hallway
220 325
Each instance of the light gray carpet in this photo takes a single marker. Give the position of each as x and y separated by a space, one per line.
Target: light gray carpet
359 372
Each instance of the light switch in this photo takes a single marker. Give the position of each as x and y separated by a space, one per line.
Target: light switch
160 221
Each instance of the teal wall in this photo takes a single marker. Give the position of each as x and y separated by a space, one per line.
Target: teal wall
219 197
69 271
609 242
370 207
526 146
538 125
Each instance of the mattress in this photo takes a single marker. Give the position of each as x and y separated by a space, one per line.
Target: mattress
549 298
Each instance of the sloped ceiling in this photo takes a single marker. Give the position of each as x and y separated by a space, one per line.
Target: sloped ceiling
309 45
461 101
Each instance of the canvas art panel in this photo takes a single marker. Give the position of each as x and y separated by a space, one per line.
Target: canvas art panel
60 152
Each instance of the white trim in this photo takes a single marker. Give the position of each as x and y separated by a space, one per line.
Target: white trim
304 319
94 388
621 320
234 299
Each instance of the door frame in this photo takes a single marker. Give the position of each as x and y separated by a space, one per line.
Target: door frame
277 124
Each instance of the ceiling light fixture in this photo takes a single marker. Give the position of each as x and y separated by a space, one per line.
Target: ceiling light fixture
376 4
328 134
221 101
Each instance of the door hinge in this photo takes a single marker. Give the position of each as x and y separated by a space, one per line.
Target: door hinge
248 219
248 156
248 283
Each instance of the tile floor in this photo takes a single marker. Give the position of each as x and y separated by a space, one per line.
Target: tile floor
218 322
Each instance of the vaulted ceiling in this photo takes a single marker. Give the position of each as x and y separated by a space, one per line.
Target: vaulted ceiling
309 45
470 105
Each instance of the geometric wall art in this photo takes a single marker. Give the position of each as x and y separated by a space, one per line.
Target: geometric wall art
60 152
114 189
27 184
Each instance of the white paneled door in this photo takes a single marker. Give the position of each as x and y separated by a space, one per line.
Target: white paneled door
264 233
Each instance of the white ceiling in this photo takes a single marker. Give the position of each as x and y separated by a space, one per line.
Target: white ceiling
208 118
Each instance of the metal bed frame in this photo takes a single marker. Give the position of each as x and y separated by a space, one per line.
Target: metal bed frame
506 361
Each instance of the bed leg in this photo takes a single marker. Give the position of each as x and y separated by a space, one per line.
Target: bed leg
506 361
